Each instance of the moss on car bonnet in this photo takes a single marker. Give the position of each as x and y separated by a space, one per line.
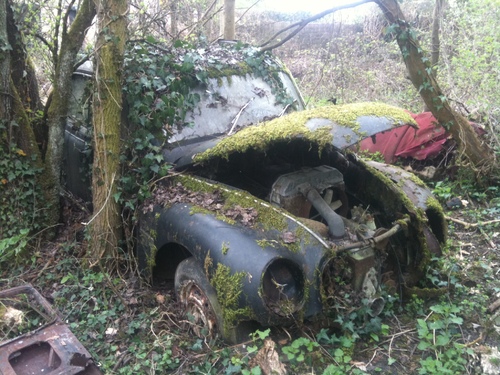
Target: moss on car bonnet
259 137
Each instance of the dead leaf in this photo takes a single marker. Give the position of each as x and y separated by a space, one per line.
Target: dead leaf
289 237
268 360
160 298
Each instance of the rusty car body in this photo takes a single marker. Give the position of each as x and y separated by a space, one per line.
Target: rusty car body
270 218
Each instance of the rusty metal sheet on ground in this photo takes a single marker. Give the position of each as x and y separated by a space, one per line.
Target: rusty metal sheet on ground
47 349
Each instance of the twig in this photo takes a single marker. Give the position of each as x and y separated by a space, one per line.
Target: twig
474 342
495 305
301 24
471 225
487 238
237 117
105 202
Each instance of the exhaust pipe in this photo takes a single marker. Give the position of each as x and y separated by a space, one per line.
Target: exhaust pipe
376 306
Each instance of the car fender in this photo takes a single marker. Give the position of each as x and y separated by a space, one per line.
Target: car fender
245 251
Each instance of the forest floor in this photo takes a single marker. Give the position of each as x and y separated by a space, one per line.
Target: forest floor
131 327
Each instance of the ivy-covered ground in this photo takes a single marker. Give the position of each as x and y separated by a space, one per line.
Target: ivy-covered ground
131 327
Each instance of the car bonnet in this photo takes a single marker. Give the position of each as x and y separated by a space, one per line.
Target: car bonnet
339 126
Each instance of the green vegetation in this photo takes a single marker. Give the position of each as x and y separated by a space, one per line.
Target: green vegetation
22 211
128 328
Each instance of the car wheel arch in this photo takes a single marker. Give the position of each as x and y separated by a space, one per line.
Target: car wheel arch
167 258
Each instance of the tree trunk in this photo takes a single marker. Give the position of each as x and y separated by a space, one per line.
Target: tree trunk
58 110
435 41
107 107
420 70
174 10
229 19
12 107
5 95
17 129
436 25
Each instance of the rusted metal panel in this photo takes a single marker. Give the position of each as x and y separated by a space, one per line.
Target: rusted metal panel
50 349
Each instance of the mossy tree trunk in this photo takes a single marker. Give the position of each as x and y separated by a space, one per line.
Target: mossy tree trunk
107 106
420 70
15 79
57 112
437 14
12 108
6 96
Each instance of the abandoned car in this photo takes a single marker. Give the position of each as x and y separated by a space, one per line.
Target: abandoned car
269 218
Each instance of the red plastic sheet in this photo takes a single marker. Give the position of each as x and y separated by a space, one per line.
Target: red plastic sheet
422 143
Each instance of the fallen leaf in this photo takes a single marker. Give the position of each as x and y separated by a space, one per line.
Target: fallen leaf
160 298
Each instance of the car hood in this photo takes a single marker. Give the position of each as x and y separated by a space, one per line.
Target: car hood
338 126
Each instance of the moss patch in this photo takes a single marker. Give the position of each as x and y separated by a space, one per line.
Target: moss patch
294 125
267 216
228 288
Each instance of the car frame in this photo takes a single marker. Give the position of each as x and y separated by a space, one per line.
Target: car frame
275 222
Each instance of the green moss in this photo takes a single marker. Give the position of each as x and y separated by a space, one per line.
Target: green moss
240 69
268 217
151 257
398 202
294 125
208 264
218 215
434 207
225 248
417 180
228 288
266 243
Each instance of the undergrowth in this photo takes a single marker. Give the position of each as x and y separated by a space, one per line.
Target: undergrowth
128 328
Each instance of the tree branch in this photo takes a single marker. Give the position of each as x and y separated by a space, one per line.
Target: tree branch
301 24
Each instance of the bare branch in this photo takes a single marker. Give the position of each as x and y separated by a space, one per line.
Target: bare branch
301 24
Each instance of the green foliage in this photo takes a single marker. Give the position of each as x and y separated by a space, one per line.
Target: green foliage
443 190
340 349
20 194
159 93
300 350
107 326
439 341
11 248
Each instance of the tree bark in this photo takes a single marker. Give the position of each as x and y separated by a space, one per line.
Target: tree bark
420 70
12 107
173 19
5 95
58 110
229 19
435 40
107 107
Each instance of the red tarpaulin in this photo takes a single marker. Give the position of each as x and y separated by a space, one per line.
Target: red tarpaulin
422 143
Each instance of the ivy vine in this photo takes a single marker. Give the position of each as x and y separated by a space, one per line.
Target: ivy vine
20 205
158 95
